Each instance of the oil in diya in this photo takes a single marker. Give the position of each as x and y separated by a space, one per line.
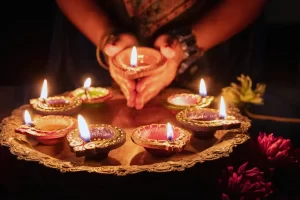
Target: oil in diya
95 141
91 95
56 105
137 62
48 130
206 121
161 140
178 102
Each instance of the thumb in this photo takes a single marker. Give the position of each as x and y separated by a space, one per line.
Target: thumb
164 44
123 41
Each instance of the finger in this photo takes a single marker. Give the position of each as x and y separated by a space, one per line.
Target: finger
145 96
123 41
131 99
165 44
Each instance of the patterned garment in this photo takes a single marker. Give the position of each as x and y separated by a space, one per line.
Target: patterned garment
153 14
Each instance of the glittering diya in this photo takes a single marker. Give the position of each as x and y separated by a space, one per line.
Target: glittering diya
206 121
178 102
56 105
161 140
48 130
138 61
95 140
91 95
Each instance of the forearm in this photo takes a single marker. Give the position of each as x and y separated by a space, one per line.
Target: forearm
87 16
225 20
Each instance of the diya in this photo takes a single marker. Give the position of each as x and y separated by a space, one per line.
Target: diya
206 121
178 102
48 130
138 62
91 95
95 140
161 140
57 105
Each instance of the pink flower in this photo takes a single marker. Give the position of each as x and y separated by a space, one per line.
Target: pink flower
275 149
245 184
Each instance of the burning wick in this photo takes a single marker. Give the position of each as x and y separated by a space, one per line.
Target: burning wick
170 133
27 119
133 57
222 109
44 92
86 86
83 129
202 89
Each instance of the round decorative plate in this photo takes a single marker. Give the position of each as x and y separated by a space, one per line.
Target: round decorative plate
129 158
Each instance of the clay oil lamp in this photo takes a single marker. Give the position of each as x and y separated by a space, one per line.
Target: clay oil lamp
178 102
161 140
137 62
206 121
95 140
48 130
91 95
56 105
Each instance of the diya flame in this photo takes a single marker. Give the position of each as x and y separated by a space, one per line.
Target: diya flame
84 130
170 133
133 57
222 109
44 92
202 88
87 83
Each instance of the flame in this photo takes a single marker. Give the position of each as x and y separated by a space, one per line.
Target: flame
83 129
27 117
222 111
44 92
133 57
170 133
202 88
87 83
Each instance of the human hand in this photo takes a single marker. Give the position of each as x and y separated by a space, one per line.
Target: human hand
127 86
148 87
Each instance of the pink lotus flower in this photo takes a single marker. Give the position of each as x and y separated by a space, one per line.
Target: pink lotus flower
275 149
245 184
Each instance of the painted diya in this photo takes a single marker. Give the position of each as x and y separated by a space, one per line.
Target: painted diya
161 140
95 140
91 95
206 121
48 130
138 62
57 105
178 102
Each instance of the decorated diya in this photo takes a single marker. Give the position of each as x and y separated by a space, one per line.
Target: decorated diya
48 130
161 140
57 105
95 140
178 102
206 121
138 62
91 95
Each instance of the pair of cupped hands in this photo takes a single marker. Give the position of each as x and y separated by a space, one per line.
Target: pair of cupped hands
140 92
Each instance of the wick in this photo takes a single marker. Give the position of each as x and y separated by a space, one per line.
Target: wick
170 138
30 124
87 93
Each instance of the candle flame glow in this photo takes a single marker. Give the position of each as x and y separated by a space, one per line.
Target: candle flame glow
202 88
170 133
27 118
222 110
83 129
133 57
44 93
87 83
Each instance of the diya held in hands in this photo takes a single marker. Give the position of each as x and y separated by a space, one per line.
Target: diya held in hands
137 62
91 95
48 130
161 140
95 140
178 102
56 105
206 121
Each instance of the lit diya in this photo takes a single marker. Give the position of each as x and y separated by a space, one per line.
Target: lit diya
206 121
178 102
138 61
95 140
56 105
91 95
161 140
48 130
